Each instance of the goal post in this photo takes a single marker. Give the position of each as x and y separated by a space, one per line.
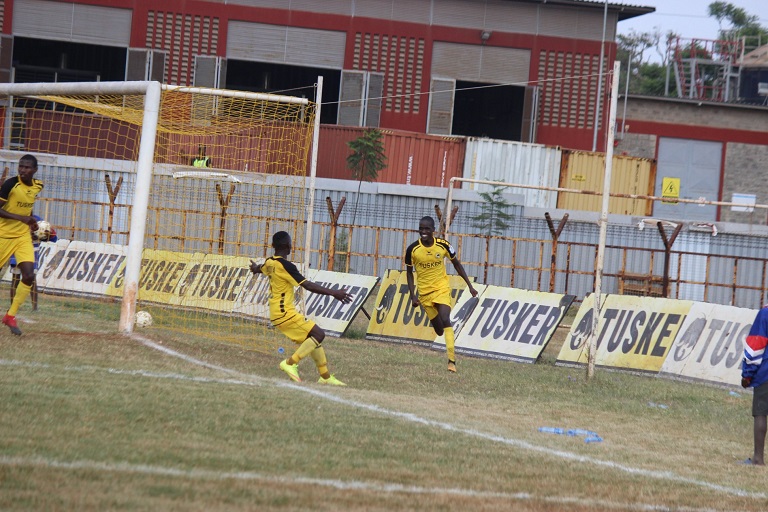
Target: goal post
185 185
140 203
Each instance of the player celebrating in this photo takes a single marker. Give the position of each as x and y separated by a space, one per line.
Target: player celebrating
17 198
427 256
283 277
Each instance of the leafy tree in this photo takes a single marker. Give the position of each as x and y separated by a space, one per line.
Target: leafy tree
366 160
367 157
742 24
494 219
635 52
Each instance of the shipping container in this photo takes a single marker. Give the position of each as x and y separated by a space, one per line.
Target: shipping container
585 171
514 162
412 158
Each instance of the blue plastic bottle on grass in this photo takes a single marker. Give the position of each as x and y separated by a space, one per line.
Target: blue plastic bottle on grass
593 439
580 432
551 430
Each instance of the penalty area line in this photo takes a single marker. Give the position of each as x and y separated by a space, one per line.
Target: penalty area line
517 443
342 485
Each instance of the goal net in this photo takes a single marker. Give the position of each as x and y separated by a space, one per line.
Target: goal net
224 171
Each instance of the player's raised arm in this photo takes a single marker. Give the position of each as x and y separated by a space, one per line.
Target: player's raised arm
255 267
339 294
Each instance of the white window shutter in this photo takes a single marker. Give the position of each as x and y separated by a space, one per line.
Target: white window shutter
440 119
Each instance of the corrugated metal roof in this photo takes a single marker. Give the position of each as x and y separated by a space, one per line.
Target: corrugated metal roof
757 58
625 11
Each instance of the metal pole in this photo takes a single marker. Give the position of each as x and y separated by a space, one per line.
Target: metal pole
598 99
603 221
313 176
626 93
140 205
448 201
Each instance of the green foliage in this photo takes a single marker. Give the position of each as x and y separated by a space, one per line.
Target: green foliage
494 219
635 51
742 24
366 160
367 157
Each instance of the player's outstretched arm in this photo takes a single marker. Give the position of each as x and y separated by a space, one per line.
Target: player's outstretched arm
460 270
339 294
255 267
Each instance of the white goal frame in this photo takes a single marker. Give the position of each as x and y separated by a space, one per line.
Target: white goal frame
152 90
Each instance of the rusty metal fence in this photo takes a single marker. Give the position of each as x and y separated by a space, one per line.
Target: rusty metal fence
539 251
723 269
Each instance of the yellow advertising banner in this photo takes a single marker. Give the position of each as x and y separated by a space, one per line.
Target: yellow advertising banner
509 323
165 276
395 318
634 333
216 282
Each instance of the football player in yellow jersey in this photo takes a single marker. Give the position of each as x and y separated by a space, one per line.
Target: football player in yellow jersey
427 257
283 277
17 198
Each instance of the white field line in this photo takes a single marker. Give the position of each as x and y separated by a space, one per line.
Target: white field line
343 485
140 373
255 380
517 443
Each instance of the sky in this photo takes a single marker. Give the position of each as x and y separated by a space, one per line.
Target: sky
685 17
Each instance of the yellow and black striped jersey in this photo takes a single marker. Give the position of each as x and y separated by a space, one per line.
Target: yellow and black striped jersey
17 198
429 264
283 278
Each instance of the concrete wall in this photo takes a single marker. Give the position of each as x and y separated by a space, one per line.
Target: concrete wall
696 114
636 144
746 166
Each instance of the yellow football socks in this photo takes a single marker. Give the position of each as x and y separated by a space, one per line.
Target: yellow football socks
304 349
449 342
320 361
22 292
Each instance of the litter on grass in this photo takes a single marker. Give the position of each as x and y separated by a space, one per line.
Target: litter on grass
588 435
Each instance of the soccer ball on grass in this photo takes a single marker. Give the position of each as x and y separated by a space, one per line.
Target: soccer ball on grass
43 231
143 319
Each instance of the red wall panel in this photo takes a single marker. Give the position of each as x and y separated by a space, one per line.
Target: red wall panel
412 158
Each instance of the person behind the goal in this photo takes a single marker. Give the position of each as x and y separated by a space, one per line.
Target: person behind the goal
427 257
284 276
17 199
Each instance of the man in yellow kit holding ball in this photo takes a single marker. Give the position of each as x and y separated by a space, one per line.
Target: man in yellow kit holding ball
283 277
17 198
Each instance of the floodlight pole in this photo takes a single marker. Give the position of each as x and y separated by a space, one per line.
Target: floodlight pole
592 348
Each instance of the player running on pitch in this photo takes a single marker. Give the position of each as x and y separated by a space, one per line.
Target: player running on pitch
427 256
17 198
283 277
